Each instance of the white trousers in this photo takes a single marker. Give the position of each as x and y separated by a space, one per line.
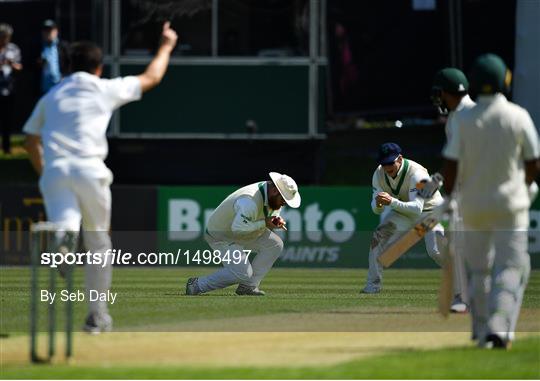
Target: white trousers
460 275
268 247
498 266
78 191
392 225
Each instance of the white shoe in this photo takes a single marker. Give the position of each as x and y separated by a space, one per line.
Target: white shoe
458 306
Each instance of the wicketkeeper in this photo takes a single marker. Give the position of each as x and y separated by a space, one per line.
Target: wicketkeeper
245 220
394 187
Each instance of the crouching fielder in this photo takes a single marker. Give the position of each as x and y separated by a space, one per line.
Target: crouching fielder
244 223
394 187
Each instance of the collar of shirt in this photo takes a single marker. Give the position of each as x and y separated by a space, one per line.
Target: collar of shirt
399 179
265 186
466 100
485 99
264 190
400 170
84 76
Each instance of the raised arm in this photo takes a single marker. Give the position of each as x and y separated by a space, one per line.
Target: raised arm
156 69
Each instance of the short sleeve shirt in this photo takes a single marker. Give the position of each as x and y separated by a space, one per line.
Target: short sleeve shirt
491 142
72 118
465 104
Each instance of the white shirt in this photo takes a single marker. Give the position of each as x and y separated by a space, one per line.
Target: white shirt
72 118
403 190
465 103
491 142
241 216
245 216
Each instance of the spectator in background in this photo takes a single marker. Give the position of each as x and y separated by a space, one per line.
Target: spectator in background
10 63
348 70
53 60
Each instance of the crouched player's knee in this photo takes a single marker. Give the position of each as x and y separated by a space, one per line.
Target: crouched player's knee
273 243
242 273
279 244
382 234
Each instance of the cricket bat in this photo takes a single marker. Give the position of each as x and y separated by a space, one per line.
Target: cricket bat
408 239
426 223
426 189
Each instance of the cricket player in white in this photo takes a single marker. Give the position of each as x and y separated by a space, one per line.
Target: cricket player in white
394 187
66 142
244 221
494 152
450 96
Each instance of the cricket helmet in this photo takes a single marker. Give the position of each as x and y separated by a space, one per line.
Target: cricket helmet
490 75
450 80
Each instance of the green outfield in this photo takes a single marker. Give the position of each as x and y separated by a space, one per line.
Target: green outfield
312 324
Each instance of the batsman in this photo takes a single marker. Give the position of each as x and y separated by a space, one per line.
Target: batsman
450 95
394 189
494 156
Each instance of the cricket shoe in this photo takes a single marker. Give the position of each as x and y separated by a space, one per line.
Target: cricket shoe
458 306
249 290
371 289
494 341
98 323
192 287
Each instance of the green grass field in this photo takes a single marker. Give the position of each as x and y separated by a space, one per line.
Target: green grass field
312 324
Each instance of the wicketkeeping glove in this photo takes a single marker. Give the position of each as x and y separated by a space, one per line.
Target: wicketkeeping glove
427 188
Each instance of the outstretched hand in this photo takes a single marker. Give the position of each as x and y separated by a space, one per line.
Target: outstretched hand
168 35
427 187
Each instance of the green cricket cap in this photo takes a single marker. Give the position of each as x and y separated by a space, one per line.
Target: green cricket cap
489 75
451 80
